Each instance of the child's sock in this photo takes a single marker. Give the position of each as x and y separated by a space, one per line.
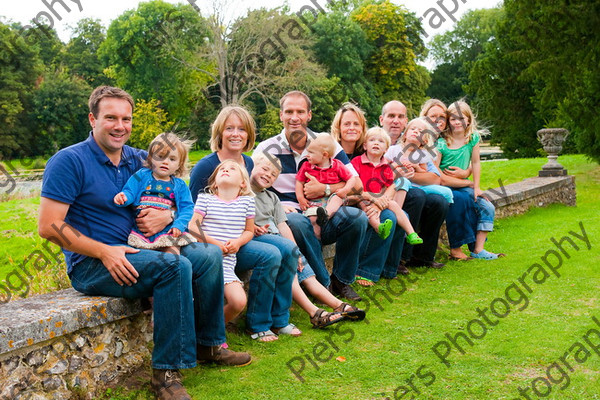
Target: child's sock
384 229
413 238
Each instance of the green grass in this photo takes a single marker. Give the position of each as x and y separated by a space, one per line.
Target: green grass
403 325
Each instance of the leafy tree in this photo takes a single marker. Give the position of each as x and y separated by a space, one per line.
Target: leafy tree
140 50
20 68
81 55
59 113
342 46
457 50
45 42
149 121
542 70
446 83
392 66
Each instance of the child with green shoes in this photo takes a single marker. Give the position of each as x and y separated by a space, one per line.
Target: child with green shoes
377 176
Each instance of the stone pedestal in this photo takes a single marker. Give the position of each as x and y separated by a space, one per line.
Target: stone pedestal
552 140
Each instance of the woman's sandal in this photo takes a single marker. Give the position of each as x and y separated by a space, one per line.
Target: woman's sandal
351 312
287 330
261 336
364 281
322 318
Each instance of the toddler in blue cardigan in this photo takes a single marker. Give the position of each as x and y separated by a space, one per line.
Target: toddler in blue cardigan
159 185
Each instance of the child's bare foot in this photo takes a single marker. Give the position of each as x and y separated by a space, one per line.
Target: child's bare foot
458 255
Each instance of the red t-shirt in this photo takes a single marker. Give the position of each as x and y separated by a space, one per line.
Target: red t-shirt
374 178
336 173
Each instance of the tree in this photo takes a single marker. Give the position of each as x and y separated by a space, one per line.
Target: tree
392 67
149 121
536 76
20 68
139 53
81 55
59 112
457 50
257 57
342 46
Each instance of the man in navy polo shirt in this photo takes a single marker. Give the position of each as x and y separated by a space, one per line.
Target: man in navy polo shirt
77 212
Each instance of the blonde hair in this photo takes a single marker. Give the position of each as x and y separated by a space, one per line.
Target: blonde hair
262 158
377 131
244 190
326 143
460 109
336 125
427 138
428 105
218 126
162 145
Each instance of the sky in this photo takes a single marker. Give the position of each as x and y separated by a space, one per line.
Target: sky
24 11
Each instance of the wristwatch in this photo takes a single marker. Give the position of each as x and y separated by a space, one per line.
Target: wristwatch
173 214
327 190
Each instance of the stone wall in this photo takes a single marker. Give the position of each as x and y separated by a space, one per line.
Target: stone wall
65 345
518 198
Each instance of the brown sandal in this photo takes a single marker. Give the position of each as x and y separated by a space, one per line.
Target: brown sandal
322 318
351 312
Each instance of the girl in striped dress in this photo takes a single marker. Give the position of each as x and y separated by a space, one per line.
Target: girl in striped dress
225 217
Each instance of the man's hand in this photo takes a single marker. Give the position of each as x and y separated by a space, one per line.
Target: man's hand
175 232
121 270
150 221
457 172
261 230
120 198
313 189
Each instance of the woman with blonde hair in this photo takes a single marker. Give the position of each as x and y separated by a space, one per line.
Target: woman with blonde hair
273 265
348 128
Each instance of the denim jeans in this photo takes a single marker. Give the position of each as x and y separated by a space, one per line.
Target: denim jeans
461 221
381 257
347 228
188 298
271 259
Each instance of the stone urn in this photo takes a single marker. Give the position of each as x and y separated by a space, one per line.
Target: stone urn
552 140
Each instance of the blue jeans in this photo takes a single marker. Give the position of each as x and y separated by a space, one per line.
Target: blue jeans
461 220
381 257
426 213
273 261
188 298
347 228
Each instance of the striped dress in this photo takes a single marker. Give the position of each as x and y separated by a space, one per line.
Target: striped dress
224 221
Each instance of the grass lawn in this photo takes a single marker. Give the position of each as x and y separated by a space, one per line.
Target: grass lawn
542 317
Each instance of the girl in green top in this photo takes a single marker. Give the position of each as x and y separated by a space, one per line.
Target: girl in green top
459 147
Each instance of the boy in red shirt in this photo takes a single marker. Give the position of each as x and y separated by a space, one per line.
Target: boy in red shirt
377 177
327 170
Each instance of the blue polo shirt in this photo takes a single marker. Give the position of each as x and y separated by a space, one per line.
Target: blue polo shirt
82 176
